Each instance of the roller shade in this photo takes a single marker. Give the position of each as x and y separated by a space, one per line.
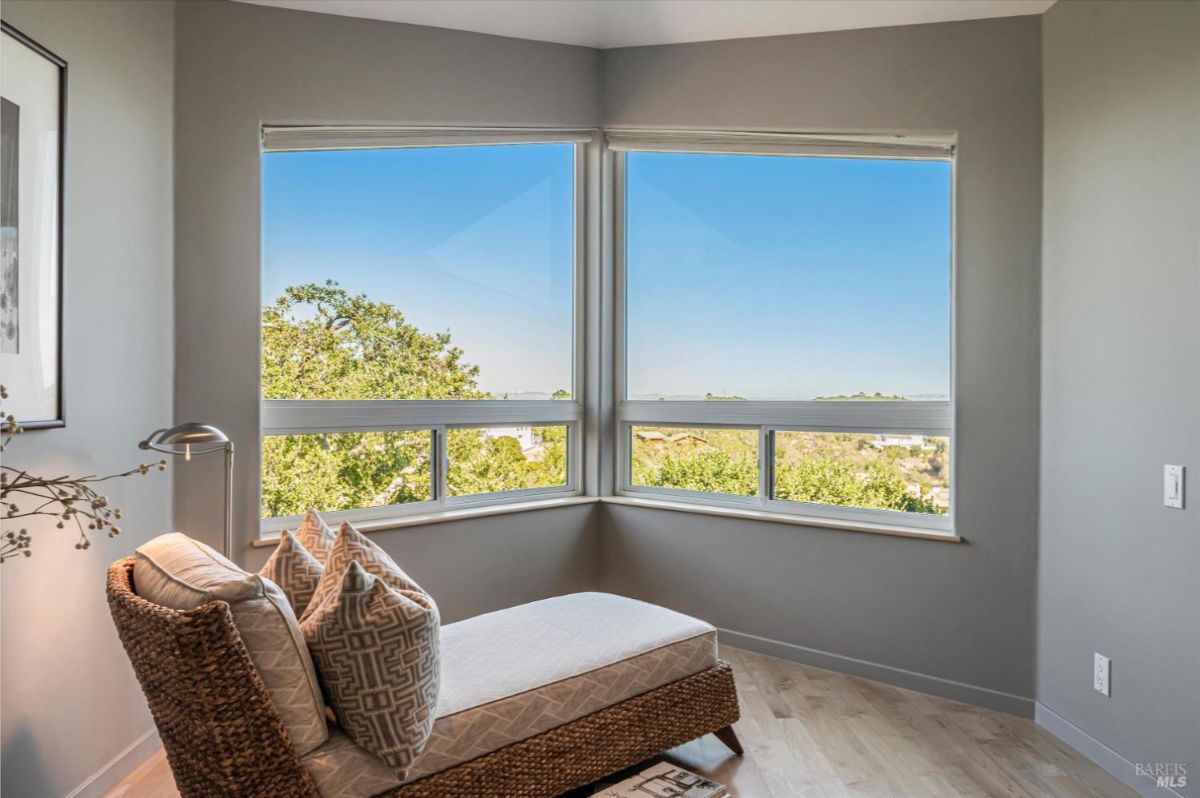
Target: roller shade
298 138
852 145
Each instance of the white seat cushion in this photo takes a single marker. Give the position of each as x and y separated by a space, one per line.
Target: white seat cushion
512 674
180 573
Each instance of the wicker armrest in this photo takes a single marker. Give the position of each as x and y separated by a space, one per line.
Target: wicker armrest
223 735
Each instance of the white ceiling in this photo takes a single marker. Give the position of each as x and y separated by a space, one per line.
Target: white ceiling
627 23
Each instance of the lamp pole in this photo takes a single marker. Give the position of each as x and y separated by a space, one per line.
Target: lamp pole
195 438
228 498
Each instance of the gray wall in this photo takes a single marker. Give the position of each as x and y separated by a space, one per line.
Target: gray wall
955 619
70 701
240 66
485 564
957 612
968 609
1119 572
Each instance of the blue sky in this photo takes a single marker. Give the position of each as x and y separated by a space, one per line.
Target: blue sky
765 277
773 277
474 240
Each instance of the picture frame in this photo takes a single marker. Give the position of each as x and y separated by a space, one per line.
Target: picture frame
33 104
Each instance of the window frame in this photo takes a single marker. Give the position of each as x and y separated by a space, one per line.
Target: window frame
319 416
599 411
909 417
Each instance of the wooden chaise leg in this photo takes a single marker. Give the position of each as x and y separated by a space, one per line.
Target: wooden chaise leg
728 736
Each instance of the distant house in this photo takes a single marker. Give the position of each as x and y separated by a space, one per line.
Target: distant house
654 436
524 436
887 440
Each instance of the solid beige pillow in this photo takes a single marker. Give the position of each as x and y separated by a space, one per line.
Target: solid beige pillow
295 571
376 651
315 535
177 572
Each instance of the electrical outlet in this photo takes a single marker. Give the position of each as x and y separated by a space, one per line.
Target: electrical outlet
1100 673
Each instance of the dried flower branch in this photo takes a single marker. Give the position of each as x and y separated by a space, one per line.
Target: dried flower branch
69 500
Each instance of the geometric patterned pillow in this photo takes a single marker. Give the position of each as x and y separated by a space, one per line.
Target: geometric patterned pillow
295 571
376 652
316 535
352 545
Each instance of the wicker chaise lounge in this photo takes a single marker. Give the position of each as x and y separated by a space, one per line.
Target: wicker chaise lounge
224 737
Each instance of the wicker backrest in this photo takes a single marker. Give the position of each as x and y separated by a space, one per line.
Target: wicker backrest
221 731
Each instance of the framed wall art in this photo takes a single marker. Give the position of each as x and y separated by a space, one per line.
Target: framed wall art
33 83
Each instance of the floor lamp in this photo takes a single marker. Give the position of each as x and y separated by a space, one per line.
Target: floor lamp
193 438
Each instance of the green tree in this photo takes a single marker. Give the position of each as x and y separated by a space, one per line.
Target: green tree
486 464
827 481
320 342
708 470
724 461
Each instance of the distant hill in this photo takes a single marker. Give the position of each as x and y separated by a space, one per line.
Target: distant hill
534 395
862 397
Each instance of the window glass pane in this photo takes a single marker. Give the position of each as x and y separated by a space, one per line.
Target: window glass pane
787 278
910 473
343 471
497 459
712 460
423 273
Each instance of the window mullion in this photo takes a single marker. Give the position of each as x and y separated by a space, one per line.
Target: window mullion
443 464
766 458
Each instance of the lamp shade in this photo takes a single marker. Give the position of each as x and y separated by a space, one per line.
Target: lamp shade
191 437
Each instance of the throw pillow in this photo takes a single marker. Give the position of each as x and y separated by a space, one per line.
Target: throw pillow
352 545
316 535
175 571
295 571
376 651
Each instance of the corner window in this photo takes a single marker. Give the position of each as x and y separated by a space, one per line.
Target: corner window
786 323
419 324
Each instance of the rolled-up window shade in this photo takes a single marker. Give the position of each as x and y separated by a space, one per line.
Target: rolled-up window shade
825 144
297 138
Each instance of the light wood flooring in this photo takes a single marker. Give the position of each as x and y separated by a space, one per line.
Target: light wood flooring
810 733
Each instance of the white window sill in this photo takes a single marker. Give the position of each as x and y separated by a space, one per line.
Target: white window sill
784 518
420 519
458 514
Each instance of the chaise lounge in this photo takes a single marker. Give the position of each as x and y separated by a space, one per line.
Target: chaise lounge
534 700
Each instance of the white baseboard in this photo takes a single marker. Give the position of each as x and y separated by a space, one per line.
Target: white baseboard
118 767
934 685
1101 754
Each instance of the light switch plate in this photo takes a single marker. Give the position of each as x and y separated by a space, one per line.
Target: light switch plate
1100 679
1173 486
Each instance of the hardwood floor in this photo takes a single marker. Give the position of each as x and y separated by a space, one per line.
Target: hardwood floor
810 733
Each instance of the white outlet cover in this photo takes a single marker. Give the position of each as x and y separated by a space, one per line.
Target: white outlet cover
1101 675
